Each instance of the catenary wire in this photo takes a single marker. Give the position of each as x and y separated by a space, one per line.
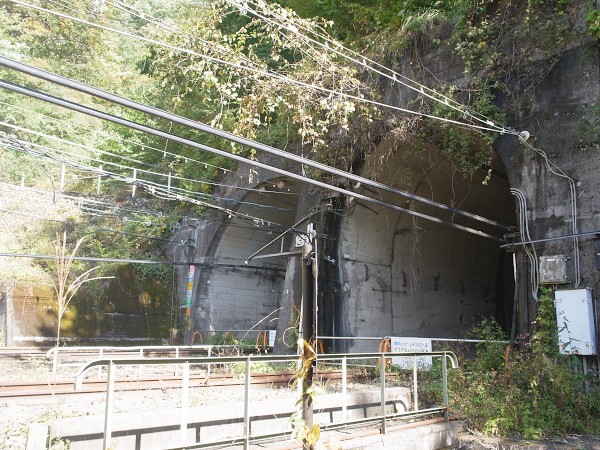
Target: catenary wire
155 191
205 128
98 114
168 187
143 146
115 155
391 75
261 72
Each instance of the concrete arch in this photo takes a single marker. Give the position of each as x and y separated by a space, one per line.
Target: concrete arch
403 276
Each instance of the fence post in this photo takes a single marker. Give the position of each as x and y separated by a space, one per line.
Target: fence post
54 363
110 391
445 385
100 367
415 385
63 171
141 366
209 355
185 384
247 404
134 185
382 384
99 180
344 390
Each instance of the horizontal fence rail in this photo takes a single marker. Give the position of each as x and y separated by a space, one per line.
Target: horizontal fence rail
245 437
142 352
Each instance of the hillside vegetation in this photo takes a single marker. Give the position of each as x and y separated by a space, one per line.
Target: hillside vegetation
62 171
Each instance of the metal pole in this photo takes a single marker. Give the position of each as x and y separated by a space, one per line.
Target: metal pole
415 386
247 404
100 367
134 186
99 180
307 335
344 389
62 177
110 391
54 363
382 384
209 355
141 366
177 357
445 385
185 384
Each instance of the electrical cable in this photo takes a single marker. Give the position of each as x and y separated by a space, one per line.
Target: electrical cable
115 155
81 200
393 77
553 168
94 230
142 146
260 71
157 192
419 88
157 22
133 125
168 187
243 141
530 251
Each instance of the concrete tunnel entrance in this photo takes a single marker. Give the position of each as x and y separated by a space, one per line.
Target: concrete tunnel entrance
398 275
381 272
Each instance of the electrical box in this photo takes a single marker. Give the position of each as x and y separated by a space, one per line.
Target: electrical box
576 322
553 269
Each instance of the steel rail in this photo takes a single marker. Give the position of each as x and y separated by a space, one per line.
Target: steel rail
63 387
149 130
72 84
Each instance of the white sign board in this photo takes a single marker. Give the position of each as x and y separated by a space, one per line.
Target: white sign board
272 334
303 239
411 345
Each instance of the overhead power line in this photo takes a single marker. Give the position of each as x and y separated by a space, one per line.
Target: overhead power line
159 192
131 160
47 76
138 171
143 146
118 120
361 60
262 72
145 261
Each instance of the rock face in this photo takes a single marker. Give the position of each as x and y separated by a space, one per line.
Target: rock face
385 273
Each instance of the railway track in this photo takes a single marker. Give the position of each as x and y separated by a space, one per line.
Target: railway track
22 353
65 387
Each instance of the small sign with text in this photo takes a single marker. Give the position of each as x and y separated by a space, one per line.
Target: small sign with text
411 345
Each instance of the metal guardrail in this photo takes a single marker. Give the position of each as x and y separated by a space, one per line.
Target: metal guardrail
54 352
245 437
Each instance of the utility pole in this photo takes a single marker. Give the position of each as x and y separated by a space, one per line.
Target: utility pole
307 334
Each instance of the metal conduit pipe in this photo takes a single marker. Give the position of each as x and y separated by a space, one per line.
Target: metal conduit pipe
149 130
57 79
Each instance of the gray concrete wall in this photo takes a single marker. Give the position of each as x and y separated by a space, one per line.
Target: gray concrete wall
407 276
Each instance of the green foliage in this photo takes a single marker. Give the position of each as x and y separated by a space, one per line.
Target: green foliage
60 444
530 393
593 20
